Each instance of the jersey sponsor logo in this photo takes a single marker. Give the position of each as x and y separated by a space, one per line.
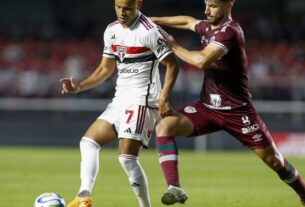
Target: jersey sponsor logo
245 120
249 129
161 45
121 52
128 131
257 137
218 107
215 100
190 110
131 70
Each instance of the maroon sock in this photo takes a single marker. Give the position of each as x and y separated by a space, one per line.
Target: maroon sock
292 178
168 158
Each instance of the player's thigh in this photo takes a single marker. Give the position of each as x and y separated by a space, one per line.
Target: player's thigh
247 127
129 146
137 122
101 131
176 124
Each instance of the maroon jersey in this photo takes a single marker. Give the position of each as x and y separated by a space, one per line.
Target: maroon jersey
225 83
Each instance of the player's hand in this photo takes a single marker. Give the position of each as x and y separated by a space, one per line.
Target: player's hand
69 86
168 39
164 107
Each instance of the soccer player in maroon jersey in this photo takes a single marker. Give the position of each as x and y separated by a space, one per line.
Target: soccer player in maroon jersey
225 101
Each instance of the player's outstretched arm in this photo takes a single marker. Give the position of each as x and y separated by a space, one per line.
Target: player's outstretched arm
179 22
101 73
172 69
199 59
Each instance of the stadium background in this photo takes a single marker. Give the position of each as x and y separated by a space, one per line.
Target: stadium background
42 41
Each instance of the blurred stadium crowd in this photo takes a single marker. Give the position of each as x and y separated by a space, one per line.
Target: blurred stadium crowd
33 57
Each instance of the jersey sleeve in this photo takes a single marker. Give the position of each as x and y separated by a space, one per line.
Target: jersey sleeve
157 45
200 28
225 38
107 51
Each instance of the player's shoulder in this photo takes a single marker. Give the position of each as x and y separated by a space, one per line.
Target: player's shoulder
231 26
201 26
146 25
113 25
203 23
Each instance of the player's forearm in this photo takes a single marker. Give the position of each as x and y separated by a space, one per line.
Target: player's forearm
171 74
95 79
195 58
179 22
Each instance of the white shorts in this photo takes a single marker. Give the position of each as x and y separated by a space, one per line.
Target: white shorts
131 121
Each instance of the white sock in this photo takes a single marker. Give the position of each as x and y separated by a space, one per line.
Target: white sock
137 178
89 163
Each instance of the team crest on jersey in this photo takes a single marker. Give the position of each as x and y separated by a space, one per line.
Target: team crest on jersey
215 100
121 52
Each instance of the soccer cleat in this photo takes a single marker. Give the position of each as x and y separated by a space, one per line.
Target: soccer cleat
81 202
174 195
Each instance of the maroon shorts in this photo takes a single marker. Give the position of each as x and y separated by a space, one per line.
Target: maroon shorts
242 123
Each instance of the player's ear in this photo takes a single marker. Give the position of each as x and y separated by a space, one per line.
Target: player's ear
139 4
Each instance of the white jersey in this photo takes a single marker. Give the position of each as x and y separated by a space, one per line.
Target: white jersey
137 51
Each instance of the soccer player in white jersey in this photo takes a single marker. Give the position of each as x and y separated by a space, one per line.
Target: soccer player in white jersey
133 45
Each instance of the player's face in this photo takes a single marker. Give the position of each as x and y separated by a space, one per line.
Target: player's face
216 11
127 11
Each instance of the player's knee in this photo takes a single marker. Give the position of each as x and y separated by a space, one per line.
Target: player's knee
130 164
86 140
133 170
274 162
123 161
163 128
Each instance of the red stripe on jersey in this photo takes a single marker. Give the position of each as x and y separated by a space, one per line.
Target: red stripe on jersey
130 50
143 120
138 118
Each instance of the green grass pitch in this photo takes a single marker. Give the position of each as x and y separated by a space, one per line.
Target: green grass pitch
212 179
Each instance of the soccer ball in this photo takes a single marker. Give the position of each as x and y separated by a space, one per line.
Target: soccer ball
49 200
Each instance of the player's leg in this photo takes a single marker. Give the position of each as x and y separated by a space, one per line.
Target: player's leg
99 133
194 119
137 123
169 127
285 170
128 156
247 126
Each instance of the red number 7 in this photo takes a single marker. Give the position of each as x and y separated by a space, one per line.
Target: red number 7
130 112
